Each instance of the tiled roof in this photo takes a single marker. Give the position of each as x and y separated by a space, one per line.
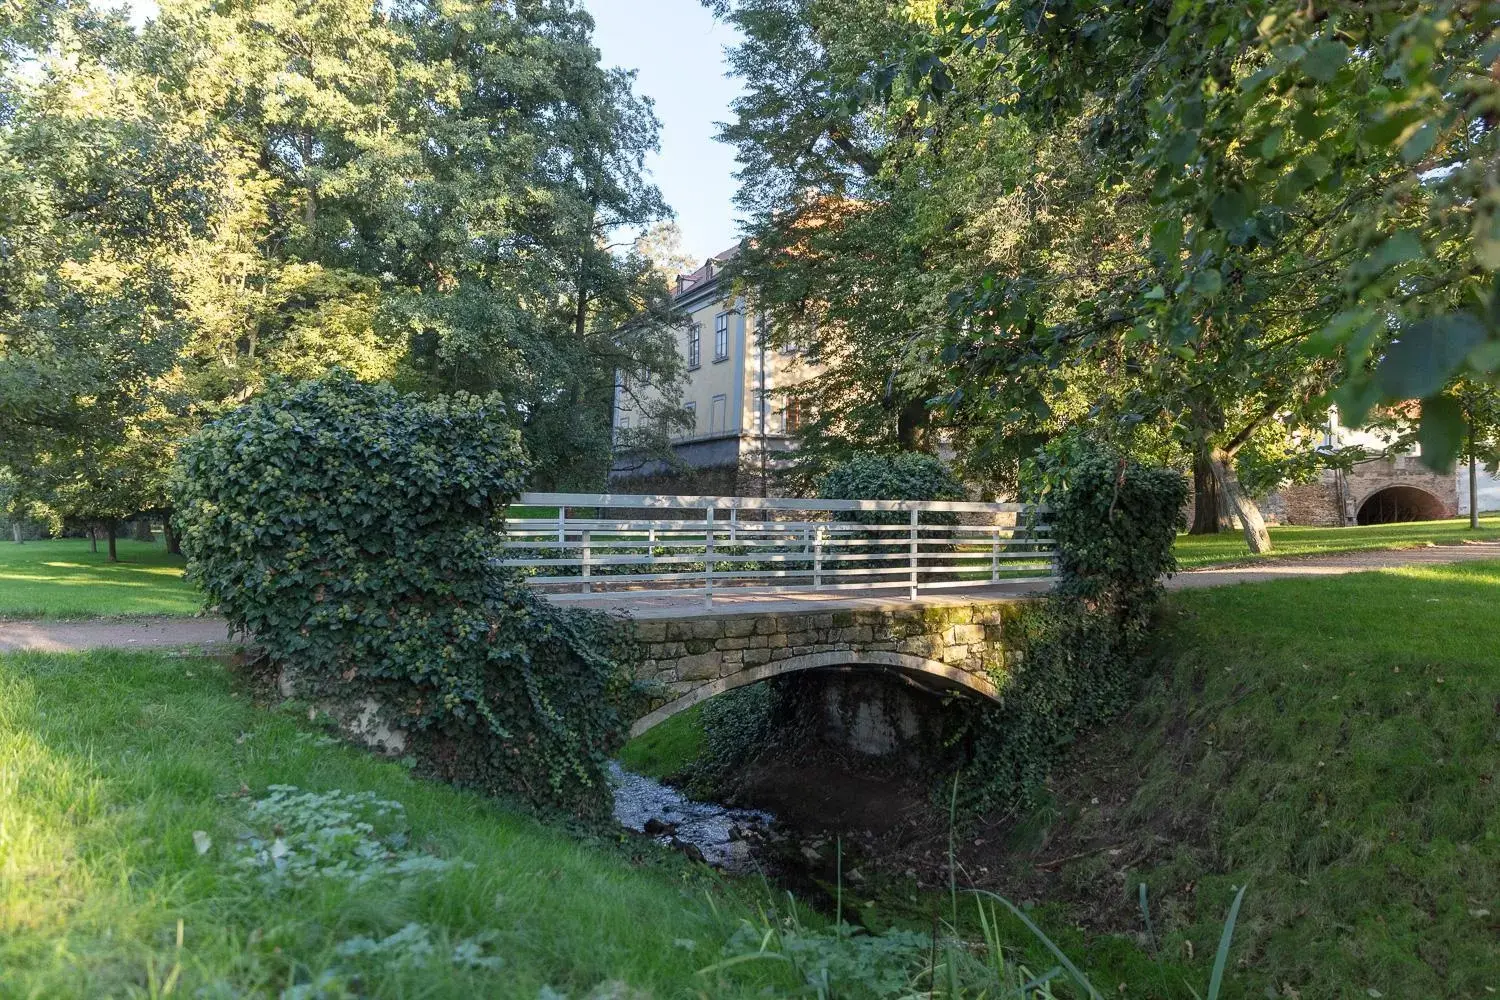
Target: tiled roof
710 269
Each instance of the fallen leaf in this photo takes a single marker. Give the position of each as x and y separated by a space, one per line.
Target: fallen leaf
202 841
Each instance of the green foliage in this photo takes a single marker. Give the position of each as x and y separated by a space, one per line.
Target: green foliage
1274 146
118 759
737 725
354 532
1114 521
902 475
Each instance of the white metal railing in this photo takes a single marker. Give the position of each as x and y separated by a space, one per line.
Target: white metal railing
577 544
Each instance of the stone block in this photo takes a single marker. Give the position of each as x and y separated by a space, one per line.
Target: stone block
732 644
711 628
666 650
738 628
964 634
919 645
700 667
759 642
650 631
755 657
822 621
697 646
767 625
954 654
731 662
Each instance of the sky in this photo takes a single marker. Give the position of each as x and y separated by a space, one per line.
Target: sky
678 50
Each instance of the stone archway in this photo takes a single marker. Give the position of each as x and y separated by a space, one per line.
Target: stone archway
1400 503
935 672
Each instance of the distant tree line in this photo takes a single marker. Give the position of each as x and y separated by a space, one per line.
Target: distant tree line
446 196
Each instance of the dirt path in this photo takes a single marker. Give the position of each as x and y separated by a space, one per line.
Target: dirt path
1333 565
122 633
167 633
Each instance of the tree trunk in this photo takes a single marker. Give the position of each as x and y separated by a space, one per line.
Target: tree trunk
93 538
1210 510
169 535
911 420
111 529
1256 535
1473 480
15 532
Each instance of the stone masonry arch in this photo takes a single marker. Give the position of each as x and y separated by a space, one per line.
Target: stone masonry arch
689 660
1394 502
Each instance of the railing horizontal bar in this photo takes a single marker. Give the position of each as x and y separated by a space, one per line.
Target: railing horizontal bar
651 502
797 591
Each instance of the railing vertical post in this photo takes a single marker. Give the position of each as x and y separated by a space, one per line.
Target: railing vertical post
818 558
708 555
562 526
734 523
588 587
912 556
995 554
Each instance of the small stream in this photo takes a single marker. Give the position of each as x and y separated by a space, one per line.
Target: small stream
726 837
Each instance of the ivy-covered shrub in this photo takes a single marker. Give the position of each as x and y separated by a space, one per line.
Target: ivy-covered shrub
1115 521
904 475
354 532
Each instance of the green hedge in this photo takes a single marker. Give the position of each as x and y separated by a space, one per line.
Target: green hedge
905 475
354 532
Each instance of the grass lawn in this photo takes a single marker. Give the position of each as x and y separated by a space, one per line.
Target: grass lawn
63 579
1333 743
1229 547
666 749
133 862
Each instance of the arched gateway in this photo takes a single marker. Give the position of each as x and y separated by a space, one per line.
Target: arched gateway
1398 503
956 648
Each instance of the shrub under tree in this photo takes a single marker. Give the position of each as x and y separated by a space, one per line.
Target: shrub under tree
355 532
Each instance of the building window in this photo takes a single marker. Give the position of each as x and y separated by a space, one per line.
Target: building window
695 345
796 415
717 414
622 426
721 337
692 412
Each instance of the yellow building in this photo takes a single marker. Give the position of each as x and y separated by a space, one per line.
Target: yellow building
741 427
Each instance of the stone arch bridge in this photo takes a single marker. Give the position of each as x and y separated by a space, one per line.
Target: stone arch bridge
964 648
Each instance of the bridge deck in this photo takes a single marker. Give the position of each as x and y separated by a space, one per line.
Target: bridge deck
668 604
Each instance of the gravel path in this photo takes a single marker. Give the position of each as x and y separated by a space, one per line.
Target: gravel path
167 633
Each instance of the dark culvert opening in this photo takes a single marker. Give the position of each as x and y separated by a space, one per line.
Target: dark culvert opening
1395 504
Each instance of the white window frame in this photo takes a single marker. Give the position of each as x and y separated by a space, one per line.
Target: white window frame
721 337
718 406
695 346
